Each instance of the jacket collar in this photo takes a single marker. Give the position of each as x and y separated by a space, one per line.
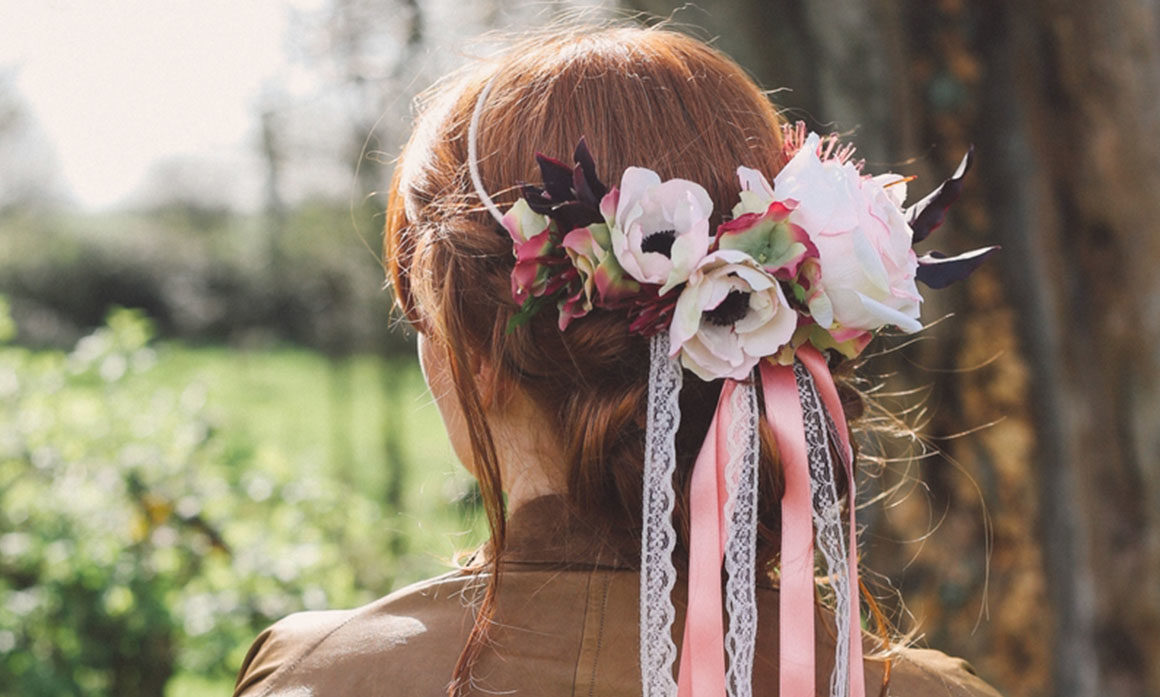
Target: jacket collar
549 531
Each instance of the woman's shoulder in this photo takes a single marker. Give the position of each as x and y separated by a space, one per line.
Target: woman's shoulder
908 671
407 643
915 671
332 651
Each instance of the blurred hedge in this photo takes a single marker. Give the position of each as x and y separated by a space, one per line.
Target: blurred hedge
312 278
136 541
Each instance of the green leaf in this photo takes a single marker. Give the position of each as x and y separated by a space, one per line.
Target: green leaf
528 310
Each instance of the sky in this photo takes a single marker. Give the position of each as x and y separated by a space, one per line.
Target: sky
117 86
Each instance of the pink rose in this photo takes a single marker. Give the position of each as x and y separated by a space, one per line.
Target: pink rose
531 236
866 266
604 281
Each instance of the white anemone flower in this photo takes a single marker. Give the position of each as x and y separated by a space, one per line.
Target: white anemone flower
729 316
660 230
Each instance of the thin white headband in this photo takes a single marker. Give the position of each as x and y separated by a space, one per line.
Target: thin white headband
473 156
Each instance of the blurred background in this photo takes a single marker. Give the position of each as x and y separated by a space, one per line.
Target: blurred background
207 421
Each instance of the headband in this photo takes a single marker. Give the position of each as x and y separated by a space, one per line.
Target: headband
811 264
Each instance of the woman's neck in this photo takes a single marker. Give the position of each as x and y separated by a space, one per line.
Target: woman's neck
529 452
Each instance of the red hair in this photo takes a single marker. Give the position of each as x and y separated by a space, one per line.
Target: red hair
640 96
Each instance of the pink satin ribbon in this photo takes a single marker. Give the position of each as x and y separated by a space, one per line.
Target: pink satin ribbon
702 668
783 411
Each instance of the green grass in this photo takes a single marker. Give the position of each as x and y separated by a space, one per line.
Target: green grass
305 413
186 685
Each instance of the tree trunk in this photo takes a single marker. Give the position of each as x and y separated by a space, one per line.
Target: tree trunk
1088 82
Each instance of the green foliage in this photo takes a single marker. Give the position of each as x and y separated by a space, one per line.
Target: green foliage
7 327
146 532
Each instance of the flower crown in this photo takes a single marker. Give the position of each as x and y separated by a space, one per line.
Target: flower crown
822 255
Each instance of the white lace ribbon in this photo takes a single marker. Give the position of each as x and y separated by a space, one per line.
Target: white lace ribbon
741 540
658 574
827 514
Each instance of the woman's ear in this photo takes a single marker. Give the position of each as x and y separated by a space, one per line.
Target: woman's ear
494 392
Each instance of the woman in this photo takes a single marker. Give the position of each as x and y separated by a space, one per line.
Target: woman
548 354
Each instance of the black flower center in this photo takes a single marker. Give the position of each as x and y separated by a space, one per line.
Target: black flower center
659 241
731 309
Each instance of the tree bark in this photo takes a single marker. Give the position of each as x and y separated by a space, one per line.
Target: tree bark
1089 80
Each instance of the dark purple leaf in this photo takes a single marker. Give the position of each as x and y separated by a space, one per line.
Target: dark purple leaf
536 199
588 186
928 214
557 178
584 193
937 270
573 214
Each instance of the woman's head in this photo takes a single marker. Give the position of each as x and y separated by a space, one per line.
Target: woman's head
640 97
644 97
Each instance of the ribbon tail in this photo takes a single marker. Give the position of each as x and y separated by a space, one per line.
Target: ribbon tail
740 517
658 575
796 603
723 530
702 671
836 425
804 411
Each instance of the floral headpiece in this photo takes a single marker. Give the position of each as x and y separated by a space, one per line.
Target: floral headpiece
826 260
817 260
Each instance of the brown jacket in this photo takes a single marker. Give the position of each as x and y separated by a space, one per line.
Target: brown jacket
567 624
